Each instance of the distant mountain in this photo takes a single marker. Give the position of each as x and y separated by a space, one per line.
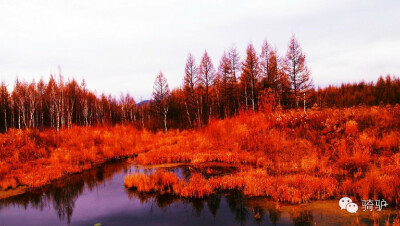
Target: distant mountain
143 102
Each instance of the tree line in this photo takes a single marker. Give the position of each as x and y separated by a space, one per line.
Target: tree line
239 85
386 90
258 80
60 104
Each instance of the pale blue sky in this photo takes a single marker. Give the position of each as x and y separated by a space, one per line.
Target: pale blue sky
121 45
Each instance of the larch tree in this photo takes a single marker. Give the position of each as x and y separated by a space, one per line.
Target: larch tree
41 88
224 83
161 94
123 108
295 67
189 83
51 96
234 60
250 76
283 87
264 63
273 68
60 102
19 95
71 94
268 67
4 103
33 99
206 78
83 99
127 106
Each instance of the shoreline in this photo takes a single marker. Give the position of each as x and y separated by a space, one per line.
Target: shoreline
22 189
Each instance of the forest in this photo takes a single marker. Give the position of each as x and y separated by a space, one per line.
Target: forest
260 79
293 142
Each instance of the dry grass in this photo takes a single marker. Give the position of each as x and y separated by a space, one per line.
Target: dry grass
296 156
33 158
288 155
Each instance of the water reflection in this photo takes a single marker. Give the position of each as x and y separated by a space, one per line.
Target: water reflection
62 194
213 203
274 215
237 204
302 217
98 195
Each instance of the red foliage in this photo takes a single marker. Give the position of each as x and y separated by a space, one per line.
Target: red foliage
158 182
289 156
297 156
33 158
351 127
293 189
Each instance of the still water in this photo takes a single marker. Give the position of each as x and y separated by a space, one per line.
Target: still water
98 196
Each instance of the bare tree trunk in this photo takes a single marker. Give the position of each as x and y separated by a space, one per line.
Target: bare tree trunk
201 110
12 114
252 95
5 118
41 114
245 95
142 113
62 110
19 119
188 114
165 118
57 116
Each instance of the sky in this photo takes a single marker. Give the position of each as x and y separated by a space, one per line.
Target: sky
120 46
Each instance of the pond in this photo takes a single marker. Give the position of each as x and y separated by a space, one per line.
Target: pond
98 196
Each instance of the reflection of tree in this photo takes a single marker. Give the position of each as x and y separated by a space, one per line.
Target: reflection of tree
198 205
63 193
143 197
64 199
166 200
33 199
302 217
213 203
237 204
100 174
274 215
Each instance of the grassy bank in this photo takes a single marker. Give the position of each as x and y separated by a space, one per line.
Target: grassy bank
290 156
